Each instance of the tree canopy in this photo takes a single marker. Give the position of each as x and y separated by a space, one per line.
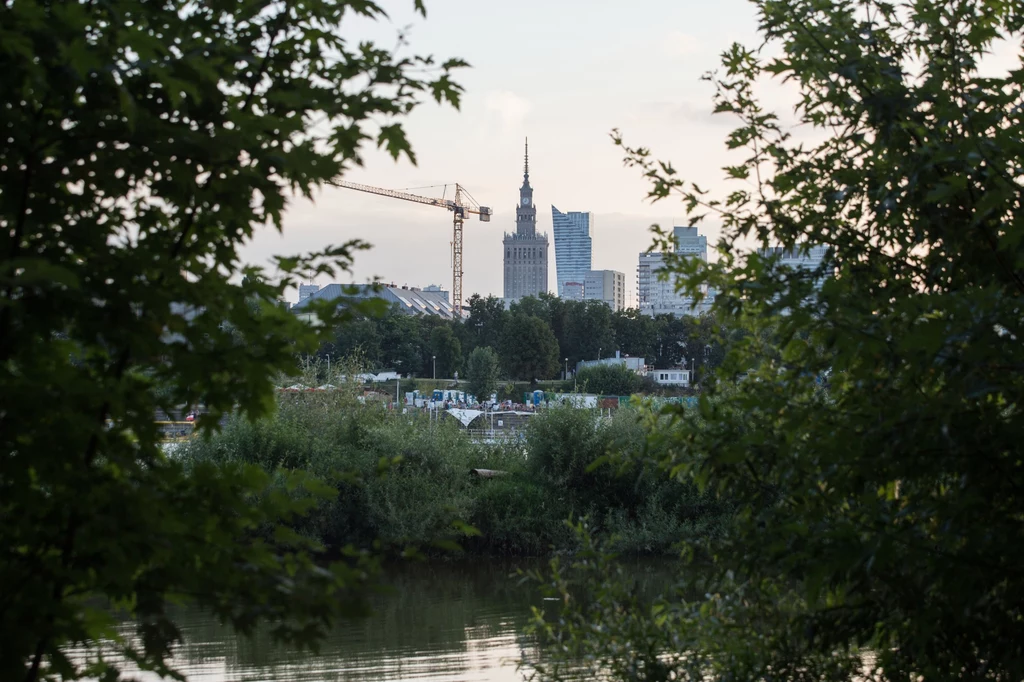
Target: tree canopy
142 144
874 447
608 380
583 330
529 349
482 372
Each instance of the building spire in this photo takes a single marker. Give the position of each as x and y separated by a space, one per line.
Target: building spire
526 160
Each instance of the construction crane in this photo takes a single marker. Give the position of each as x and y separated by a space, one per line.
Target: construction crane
460 206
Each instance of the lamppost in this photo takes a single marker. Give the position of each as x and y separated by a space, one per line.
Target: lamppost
434 358
567 369
598 353
328 368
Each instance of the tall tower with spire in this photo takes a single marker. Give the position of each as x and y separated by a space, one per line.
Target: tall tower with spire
526 250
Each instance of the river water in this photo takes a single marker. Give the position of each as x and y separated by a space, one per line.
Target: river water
458 621
443 621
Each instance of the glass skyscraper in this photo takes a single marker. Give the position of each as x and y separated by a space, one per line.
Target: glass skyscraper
573 246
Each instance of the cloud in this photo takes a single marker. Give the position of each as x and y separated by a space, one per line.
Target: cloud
510 108
679 44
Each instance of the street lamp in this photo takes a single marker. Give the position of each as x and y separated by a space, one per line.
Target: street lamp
434 358
328 368
567 369
598 353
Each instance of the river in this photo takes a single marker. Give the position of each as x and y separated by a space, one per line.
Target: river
458 621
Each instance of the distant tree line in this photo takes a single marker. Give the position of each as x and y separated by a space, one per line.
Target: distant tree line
536 339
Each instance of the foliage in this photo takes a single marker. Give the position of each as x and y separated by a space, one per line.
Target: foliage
336 441
142 144
586 463
528 348
446 350
482 373
609 380
333 440
583 331
874 446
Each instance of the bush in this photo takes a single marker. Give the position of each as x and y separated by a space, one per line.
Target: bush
398 479
404 480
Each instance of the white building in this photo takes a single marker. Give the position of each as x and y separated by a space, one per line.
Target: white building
671 377
635 364
606 285
656 291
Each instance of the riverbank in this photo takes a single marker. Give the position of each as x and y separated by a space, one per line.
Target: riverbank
404 481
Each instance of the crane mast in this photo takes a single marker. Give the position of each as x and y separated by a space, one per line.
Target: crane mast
461 205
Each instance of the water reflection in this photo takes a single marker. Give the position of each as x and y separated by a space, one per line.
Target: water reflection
460 621
441 621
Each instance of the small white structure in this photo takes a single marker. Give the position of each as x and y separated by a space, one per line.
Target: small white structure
671 377
635 364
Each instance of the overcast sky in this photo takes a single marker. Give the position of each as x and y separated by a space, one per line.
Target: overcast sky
564 73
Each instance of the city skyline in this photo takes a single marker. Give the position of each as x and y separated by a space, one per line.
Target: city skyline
582 77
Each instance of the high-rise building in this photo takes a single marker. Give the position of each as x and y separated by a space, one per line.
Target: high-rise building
606 285
526 250
573 246
807 258
658 294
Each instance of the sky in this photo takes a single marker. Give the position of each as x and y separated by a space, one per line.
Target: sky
563 73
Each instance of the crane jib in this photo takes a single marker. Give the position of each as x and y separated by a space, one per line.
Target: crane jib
459 213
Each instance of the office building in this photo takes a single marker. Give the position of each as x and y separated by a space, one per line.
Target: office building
573 246
656 290
807 258
606 285
572 291
526 250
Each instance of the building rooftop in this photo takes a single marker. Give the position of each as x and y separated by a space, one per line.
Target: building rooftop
410 300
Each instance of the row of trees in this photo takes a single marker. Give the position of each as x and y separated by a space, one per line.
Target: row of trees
536 339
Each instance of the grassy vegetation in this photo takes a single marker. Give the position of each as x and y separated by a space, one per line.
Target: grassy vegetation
405 481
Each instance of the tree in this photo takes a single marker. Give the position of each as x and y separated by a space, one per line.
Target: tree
588 331
529 350
874 450
446 349
482 373
608 380
635 333
537 306
485 320
142 144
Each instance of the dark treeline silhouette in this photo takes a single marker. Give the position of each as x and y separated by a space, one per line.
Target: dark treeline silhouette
571 331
